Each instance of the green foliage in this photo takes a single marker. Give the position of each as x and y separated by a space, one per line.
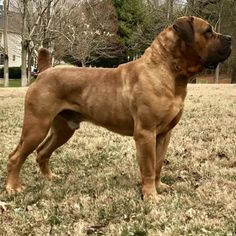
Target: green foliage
139 21
135 232
133 19
54 220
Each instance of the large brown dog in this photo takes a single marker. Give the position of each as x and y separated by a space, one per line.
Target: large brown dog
142 98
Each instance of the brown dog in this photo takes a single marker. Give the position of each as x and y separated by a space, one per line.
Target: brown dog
142 98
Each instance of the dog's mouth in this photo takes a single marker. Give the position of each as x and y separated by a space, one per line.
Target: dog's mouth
222 55
211 65
219 53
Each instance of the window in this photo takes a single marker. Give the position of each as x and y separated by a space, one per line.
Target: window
1 59
14 58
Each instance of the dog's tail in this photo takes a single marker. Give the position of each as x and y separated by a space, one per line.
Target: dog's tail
44 59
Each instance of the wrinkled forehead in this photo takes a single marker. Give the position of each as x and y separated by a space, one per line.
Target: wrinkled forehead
200 24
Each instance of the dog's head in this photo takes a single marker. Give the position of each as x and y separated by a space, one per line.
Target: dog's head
198 35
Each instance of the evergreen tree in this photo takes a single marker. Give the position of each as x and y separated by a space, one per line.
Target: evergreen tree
134 20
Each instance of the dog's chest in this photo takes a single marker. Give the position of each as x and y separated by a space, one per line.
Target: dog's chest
168 114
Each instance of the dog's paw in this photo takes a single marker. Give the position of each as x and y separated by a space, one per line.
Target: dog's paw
52 176
162 186
13 190
152 198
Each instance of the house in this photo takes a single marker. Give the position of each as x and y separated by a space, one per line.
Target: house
14 38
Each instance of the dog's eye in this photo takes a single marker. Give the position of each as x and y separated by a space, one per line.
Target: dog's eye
208 33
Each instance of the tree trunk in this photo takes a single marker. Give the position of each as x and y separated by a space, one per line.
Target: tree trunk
6 58
217 72
233 78
169 9
46 34
29 65
24 64
24 45
83 63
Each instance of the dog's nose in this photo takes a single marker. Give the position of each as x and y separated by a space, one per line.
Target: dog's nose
228 38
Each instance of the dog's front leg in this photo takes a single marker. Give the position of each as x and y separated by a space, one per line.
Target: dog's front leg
162 142
145 141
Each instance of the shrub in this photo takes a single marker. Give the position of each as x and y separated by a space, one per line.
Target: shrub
14 72
1 73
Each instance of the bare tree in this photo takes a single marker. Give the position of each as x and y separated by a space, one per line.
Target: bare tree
86 32
6 60
32 14
190 7
170 4
154 3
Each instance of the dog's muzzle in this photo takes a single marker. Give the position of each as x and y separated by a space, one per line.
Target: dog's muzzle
222 54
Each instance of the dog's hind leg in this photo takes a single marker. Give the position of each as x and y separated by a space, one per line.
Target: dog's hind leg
59 134
34 131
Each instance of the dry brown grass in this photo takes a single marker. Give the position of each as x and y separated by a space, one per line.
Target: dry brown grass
99 192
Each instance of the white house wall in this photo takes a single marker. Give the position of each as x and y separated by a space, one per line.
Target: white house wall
14 49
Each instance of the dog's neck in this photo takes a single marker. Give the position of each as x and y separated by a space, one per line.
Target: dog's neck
169 49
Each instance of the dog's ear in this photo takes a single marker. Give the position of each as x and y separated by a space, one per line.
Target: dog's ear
183 26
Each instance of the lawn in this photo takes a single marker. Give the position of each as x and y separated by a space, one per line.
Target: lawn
99 189
14 82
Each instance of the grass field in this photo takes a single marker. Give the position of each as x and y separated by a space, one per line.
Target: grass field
99 190
12 83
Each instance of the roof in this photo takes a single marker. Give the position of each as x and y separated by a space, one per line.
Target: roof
14 22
